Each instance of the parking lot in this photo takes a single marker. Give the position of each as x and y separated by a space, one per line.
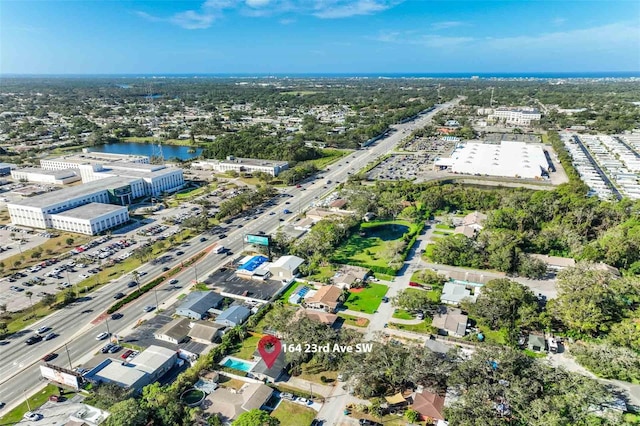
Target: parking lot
400 167
225 280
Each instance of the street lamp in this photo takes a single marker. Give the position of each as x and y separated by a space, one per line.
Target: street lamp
195 270
155 292
68 356
106 322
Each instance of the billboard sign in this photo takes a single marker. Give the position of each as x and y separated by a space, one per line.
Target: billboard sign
59 376
259 240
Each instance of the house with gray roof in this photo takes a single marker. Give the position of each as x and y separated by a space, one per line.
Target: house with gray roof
450 321
198 303
234 315
261 372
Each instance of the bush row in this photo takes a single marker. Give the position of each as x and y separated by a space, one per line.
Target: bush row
135 294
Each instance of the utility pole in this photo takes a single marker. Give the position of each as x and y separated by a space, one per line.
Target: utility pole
68 356
195 270
106 322
155 292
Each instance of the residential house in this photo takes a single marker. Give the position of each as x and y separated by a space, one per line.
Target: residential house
260 371
206 332
338 204
174 332
319 213
198 303
430 405
467 231
349 275
555 262
303 224
230 403
536 343
453 293
450 321
234 315
318 316
286 267
474 220
327 298
604 267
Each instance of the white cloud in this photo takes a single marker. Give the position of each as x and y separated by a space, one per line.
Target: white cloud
558 21
287 21
438 41
192 20
446 25
332 9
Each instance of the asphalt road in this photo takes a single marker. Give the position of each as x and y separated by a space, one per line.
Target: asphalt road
19 364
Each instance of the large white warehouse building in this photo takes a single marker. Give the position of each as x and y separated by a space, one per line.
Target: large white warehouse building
509 159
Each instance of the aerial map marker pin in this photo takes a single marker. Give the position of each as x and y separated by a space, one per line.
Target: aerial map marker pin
269 347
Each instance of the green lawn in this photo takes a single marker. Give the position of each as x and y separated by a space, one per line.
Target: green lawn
354 320
193 192
423 327
428 251
151 139
246 348
284 297
403 314
15 415
442 233
291 414
367 300
370 249
329 156
443 226
384 277
323 274
493 336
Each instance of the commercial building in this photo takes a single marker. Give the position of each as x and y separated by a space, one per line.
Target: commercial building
197 304
286 267
147 367
242 165
53 177
90 219
516 116
37 212
509 159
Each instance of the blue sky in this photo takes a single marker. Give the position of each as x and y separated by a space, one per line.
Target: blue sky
318 36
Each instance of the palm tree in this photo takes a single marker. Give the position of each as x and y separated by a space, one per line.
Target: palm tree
29 294
136 277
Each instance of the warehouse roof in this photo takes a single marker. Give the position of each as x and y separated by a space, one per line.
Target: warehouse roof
91 211
200 301
124 375
152 358
289 263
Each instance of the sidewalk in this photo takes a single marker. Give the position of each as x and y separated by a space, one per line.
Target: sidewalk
356 314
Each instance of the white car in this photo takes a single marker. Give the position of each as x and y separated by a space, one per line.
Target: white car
83 276
102 336
30 415
43 329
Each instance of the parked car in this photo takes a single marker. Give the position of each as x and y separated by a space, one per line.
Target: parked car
49 357
415 284
114 349
102 336
106 348
287 395
30 415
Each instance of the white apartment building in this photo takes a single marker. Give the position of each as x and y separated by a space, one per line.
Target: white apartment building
90 219
242 165
516 116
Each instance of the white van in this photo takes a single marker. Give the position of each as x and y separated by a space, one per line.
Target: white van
219 249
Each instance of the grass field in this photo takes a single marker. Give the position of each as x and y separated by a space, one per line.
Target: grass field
329 156
367 300
313 372
403 314
150 139
35 401
292 414
370 248
323 274
445 227
423 327
246 348
354 320
284 297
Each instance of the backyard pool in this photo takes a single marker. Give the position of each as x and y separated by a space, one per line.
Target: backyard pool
238 364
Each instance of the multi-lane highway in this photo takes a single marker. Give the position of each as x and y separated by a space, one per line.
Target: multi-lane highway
75 325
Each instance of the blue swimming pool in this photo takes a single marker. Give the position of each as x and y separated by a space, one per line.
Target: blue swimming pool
238 364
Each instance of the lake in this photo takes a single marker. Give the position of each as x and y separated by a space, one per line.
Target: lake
133 148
